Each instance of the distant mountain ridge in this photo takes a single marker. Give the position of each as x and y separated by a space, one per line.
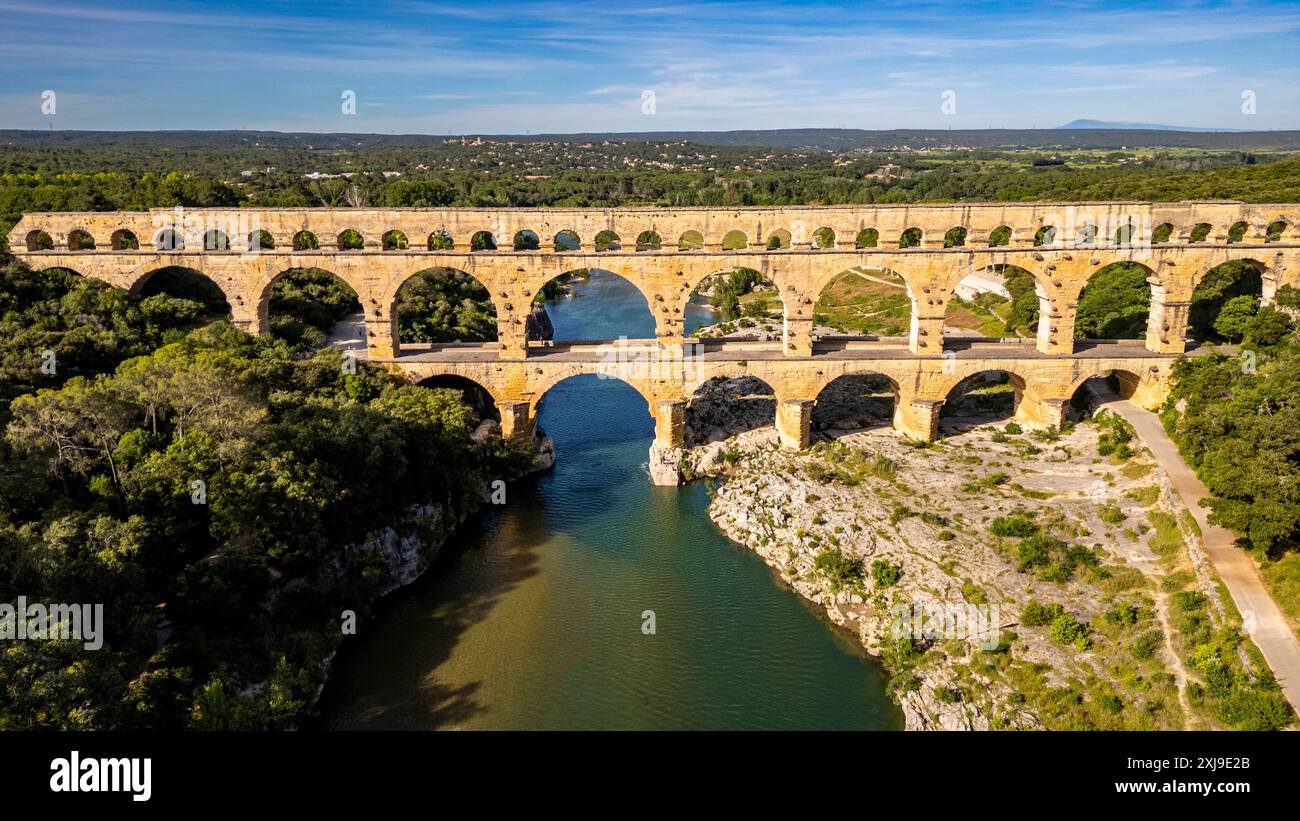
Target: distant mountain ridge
1094 124
817 139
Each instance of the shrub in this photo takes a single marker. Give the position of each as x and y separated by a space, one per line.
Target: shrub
1145 644
839 569
1036 614
885 575
1014 525
1067 631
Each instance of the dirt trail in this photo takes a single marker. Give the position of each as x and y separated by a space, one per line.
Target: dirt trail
1235 567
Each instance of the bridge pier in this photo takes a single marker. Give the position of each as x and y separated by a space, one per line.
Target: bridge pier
517 422
794 423
670 438
382 340
918 419
1167 323
1056 330
1046 413
796 340
926 338
670 423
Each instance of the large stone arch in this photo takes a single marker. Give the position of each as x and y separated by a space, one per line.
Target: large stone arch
827 411
273 273
1043 289
1143 385
381 311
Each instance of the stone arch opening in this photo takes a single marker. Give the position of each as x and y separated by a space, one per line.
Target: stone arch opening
1085 234
312 307
39 240
691 241
727 406
1237 231
608 240
440 241
215 239
527 240
736 303
955 237
778 240
735 240
997 301
987 397
124 240
854 402
910 238
350 239
261 241
867 238
1126 233
648 241
864 302
1118 382
442 305
1115 302
305 241
590 305
564 410
80 239
168 239
393 240
482 241
478 398
824 238
1226 300
1200 232
184 283
1000 237
568 241
1045 236
1275 231
1162 233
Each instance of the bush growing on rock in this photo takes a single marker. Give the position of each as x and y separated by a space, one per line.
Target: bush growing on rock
885 575
1015 525
840 570
1068 631
1036 614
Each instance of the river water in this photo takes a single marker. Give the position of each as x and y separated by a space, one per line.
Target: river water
535 614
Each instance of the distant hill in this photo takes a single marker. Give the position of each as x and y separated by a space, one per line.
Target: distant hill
1148 127
820 139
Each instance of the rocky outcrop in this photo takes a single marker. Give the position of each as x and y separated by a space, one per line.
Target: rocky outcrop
869 498
665 465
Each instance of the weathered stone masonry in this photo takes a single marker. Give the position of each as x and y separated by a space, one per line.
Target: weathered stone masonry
1061 245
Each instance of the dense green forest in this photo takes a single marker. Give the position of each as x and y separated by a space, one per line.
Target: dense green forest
200 484
132 177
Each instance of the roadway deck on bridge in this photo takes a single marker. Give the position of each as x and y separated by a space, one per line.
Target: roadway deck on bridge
845 349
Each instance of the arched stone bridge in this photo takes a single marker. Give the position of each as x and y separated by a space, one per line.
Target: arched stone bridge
665 253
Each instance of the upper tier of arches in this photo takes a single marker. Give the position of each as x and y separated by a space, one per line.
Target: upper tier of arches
633 230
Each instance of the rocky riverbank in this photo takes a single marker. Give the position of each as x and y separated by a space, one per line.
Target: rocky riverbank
1006 579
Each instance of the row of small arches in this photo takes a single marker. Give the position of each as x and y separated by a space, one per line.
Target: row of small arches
526 240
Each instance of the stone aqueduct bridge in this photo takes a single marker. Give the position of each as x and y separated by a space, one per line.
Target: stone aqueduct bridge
245 250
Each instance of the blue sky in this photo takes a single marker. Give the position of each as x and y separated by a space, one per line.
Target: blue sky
473 67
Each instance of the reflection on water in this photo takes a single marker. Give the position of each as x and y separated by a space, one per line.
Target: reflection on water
533 616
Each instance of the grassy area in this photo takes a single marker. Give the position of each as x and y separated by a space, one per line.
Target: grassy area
873 304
